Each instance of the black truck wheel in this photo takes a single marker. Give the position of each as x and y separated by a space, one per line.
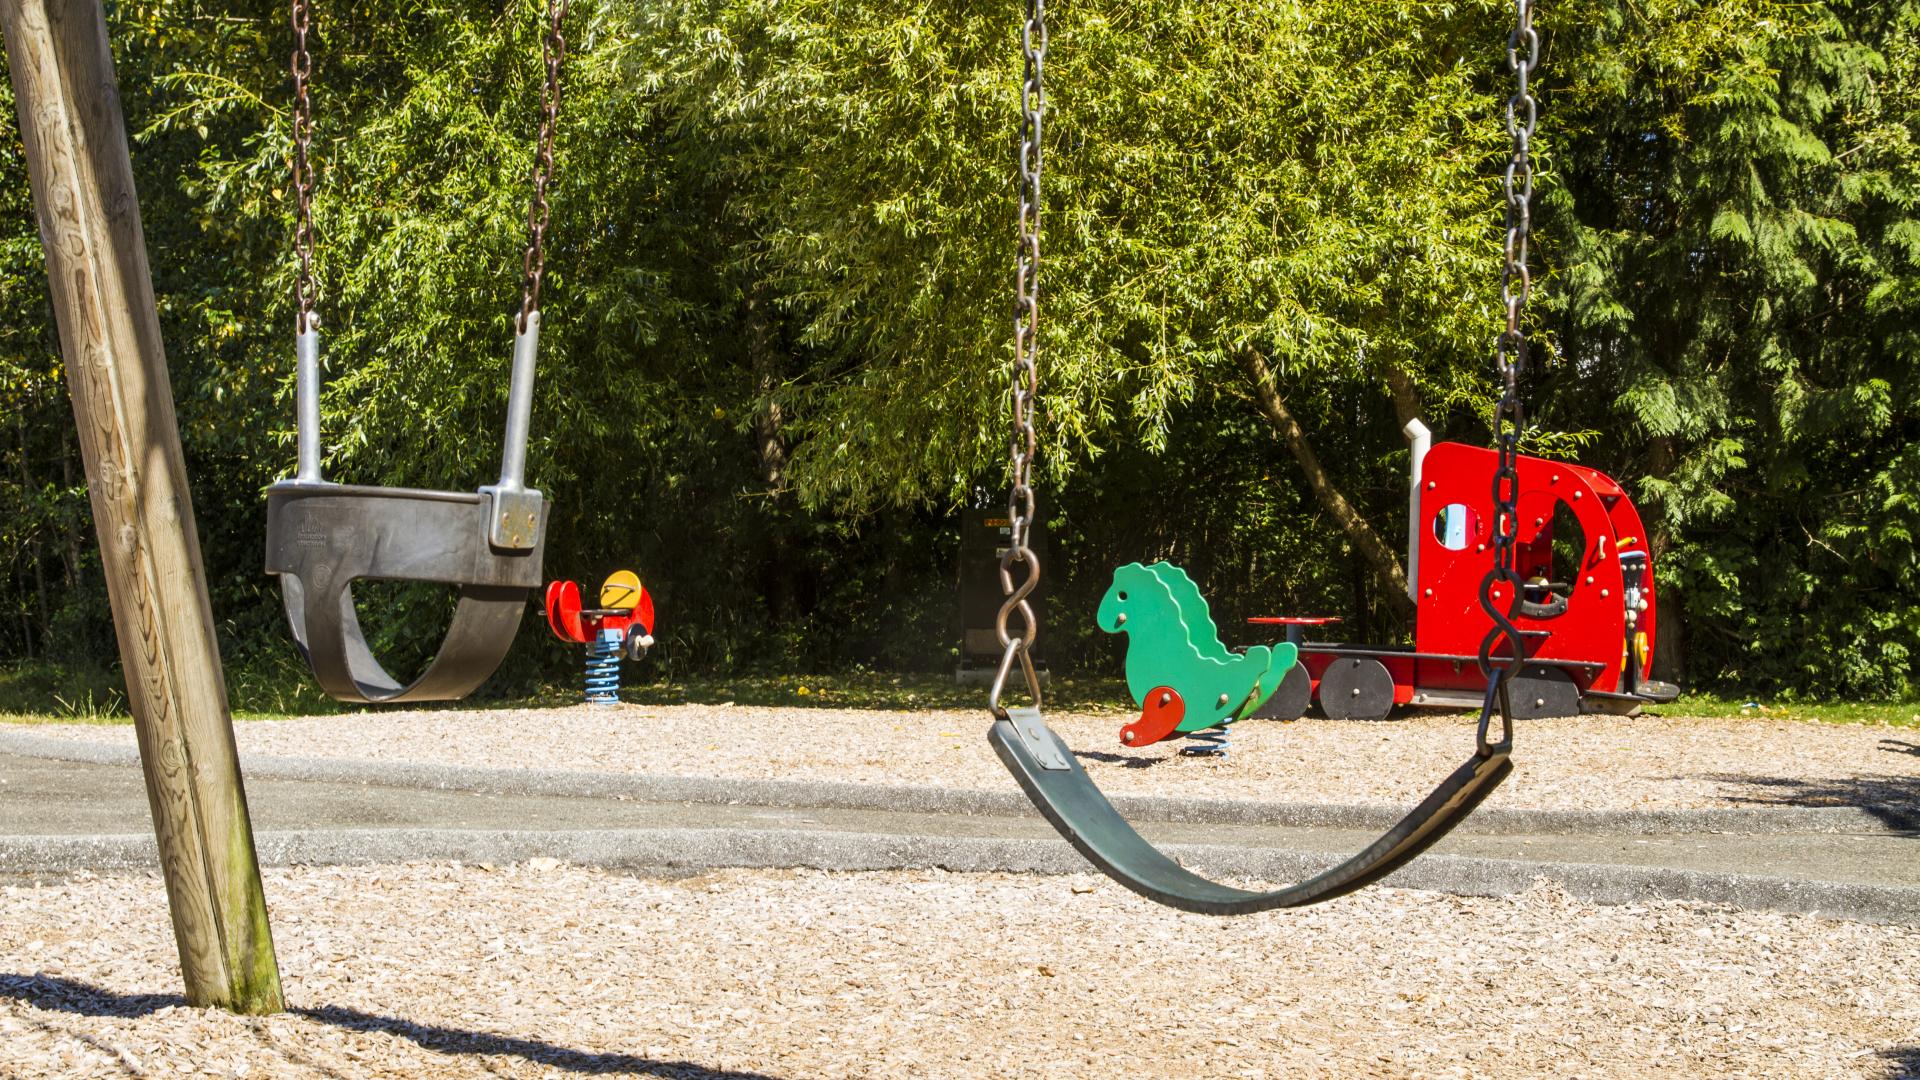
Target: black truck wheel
1356 688
1291 700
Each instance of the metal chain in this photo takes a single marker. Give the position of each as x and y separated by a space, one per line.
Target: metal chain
1523 113
1510 358
302 164
1025 370
534 263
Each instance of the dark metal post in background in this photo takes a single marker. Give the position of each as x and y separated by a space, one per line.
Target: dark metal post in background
985 535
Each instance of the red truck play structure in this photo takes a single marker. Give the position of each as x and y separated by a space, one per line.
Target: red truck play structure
1591 606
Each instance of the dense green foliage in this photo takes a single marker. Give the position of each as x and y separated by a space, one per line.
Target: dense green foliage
1743 278
778 304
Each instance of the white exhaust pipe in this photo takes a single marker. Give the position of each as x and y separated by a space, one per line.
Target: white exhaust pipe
1421 439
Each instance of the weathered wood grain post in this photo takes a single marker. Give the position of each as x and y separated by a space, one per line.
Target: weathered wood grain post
83 192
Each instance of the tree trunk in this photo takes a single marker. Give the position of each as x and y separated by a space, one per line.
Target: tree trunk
770 451
1406 396
36 550
69 521
1378 554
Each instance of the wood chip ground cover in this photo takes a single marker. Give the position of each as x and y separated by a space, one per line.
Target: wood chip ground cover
546 970
1592 762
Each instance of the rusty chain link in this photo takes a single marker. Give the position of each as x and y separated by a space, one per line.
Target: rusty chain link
533 263
1025 370
1510 358
302 164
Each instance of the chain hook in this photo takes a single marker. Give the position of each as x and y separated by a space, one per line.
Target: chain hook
1017 648
1509 419
1025 372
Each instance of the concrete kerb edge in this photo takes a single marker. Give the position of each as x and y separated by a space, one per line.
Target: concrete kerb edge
693 850
920 798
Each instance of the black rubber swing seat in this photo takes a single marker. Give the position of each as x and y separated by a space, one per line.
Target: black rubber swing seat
321 538
1061 789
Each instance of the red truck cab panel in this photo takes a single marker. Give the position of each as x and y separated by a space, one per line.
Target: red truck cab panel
1596 523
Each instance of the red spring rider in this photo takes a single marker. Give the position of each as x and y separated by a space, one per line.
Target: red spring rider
622 626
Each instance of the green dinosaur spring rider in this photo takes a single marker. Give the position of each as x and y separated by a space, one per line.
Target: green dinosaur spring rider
1184 679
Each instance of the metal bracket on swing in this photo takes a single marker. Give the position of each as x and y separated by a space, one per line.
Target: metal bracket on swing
517 519
1027 722
322 537
1038 738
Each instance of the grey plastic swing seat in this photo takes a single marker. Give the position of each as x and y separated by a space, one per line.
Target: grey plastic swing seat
321 538
1057 785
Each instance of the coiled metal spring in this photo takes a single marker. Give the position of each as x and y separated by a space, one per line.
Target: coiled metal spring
603 668
1207 742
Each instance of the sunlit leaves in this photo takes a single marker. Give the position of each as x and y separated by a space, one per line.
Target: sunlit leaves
1219 177
1740 244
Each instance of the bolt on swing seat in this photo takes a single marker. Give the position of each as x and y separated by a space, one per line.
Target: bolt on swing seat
322 537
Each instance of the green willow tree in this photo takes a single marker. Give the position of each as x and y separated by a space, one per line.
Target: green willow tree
779 311
1249 199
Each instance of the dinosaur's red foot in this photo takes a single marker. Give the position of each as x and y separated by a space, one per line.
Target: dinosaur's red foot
1162 713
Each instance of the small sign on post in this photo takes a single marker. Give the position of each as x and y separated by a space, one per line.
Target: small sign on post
984 535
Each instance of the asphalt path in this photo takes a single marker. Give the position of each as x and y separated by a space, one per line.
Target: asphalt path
59 816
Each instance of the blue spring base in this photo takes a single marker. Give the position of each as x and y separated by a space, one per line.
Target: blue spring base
603 669
1207 742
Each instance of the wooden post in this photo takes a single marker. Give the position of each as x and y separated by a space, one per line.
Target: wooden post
83 192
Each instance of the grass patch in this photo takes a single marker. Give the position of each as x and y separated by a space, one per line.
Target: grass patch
280 687
40 693
1892 713
276 688
866 690
56 694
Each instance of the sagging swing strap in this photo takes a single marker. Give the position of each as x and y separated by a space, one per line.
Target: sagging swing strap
1061 789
